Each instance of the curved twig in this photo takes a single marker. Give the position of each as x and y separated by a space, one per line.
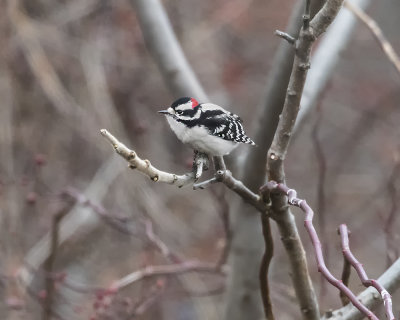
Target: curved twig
362 274
292 199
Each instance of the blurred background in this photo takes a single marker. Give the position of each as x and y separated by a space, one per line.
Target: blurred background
70 68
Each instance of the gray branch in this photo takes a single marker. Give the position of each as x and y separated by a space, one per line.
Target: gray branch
277 153
166 51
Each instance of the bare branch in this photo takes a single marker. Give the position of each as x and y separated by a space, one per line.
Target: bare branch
390 280
276 155
362 274
325 16
264 267
49 263
292 199
291 40
346 272
170 269
144 166
325 58
377 32
242 298
166 51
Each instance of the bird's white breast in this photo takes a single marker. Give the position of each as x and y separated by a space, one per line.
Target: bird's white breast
200 139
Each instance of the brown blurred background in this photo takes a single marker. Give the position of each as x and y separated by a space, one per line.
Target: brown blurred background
70 68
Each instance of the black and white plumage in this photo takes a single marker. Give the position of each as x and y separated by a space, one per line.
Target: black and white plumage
206 127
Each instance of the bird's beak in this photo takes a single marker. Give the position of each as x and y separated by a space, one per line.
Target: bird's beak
163 111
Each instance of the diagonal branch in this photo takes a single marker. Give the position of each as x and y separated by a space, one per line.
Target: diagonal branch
144 166
166 51
377 32
362 274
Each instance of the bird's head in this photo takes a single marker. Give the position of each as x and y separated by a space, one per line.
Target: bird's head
183 108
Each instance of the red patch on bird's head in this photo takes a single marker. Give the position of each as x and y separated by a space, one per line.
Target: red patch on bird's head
194 102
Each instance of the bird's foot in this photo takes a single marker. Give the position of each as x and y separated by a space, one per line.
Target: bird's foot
201 163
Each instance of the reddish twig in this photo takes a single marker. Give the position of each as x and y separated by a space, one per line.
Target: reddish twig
119 223
362 274
302 204
322 170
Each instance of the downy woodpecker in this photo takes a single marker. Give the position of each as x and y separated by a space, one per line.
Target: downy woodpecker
206 127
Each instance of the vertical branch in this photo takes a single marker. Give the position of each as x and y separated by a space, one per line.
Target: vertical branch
247 247
49 263
264 267
320 187
346 271
277 153
392 251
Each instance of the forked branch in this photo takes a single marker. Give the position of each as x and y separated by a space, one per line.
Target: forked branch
387 299
292 200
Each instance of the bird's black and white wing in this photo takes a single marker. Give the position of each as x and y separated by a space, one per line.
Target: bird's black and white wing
225 125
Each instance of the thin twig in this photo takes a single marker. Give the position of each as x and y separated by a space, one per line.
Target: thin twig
322 168
346 272
49 263
392 252
377 32
390 280
291 40
264 267
170 269
292 200
362 274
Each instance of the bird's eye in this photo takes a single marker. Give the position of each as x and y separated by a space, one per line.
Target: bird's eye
179 112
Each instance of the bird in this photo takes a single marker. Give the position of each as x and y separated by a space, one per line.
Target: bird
206 127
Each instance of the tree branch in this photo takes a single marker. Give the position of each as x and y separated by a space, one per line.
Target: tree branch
390 280
291 196
144 166
156 175
166 51
169 269
377 32
49 263
276 155
362 274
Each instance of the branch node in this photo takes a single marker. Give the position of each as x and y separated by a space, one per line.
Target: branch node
131 166
132 155
304 66
155 178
